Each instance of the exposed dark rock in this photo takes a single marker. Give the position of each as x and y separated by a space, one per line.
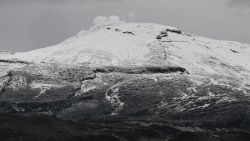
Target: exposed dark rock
162 35
174 31
14 61
115 103
140 70
117 30
128 32
234 51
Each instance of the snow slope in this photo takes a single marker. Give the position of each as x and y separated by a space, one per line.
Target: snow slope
145 44
145 76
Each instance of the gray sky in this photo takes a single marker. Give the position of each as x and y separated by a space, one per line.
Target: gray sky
31 24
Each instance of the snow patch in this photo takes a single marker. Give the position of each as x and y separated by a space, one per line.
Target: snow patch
18 82
88 85
204 106
43 87
226 99
112 95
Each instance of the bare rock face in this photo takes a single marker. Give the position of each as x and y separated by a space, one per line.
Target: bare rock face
128 82
168 102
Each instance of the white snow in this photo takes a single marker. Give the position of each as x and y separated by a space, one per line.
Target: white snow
6 67
106 44
18 82
114 98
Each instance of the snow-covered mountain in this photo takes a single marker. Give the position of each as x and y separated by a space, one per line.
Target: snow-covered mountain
146 74
137 44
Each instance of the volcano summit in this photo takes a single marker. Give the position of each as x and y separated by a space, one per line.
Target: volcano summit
128 81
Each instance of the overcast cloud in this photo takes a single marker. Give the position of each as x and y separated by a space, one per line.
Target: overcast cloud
240 3
31 24
16 2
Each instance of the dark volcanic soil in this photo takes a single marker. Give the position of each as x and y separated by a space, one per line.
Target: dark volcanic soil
52 103
42 128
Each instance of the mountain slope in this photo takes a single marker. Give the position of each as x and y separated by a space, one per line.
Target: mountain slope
132 44
154 79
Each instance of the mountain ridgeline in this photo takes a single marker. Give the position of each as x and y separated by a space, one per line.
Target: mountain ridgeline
127 82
